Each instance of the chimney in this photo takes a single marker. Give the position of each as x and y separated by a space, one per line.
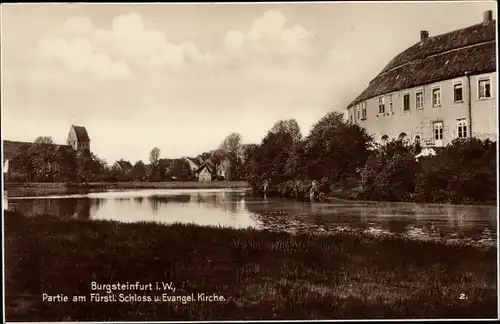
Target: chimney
424 34
487 17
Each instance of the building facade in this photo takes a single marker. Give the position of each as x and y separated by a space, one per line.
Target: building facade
442 88
223 169
205 174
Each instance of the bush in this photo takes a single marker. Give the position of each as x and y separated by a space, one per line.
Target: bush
464 171
390 173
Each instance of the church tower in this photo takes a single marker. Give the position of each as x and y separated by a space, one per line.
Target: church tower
78 138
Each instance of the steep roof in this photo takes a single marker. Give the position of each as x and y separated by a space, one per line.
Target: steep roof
210 163
225 164
81 134
471 49
11 149
209 166
124 165
191 163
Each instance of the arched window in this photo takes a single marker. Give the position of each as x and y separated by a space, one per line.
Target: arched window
402 137
384 139
417 139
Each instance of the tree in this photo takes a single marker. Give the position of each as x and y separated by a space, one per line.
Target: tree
180 170
232 144
288 126
36 161
154 156
248 153
464 170
138 172
25 163
218 156
391 172
44 140
236 168
268 162
335 149
88 166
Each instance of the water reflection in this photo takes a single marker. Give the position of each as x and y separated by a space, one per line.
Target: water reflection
239 210
66 208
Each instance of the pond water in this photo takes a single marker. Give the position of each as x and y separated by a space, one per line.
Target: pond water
238 209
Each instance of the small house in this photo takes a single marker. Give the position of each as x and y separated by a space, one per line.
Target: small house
124 166
206 172
192 165
223 169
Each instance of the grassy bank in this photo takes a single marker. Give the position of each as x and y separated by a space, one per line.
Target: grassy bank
45 188
262 275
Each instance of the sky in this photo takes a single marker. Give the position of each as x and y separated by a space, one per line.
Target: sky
181 77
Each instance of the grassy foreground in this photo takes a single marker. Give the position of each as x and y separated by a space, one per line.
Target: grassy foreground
261 274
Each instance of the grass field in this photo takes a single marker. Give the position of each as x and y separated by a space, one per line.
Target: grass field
261 274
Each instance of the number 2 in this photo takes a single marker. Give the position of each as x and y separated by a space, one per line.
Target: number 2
462 296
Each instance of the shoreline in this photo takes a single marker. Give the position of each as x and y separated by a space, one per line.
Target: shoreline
261 274
35 189
431 204
48 188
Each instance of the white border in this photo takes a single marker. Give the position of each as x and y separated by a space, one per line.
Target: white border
498 177
402 108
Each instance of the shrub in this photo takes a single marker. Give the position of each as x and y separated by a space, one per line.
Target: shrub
390 173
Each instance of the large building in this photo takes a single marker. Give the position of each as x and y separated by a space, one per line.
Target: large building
440 89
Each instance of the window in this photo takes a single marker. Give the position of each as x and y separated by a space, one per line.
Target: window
417 139
363 110
462 128
457 92
390 104
436 97
381 105
351 119
406 102
402 137
357 112
419 102
384 140
438 131
484 88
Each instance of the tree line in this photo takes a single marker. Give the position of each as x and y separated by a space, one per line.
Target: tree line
46 162
340 159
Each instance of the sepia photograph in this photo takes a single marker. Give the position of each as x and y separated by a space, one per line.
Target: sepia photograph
252 161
